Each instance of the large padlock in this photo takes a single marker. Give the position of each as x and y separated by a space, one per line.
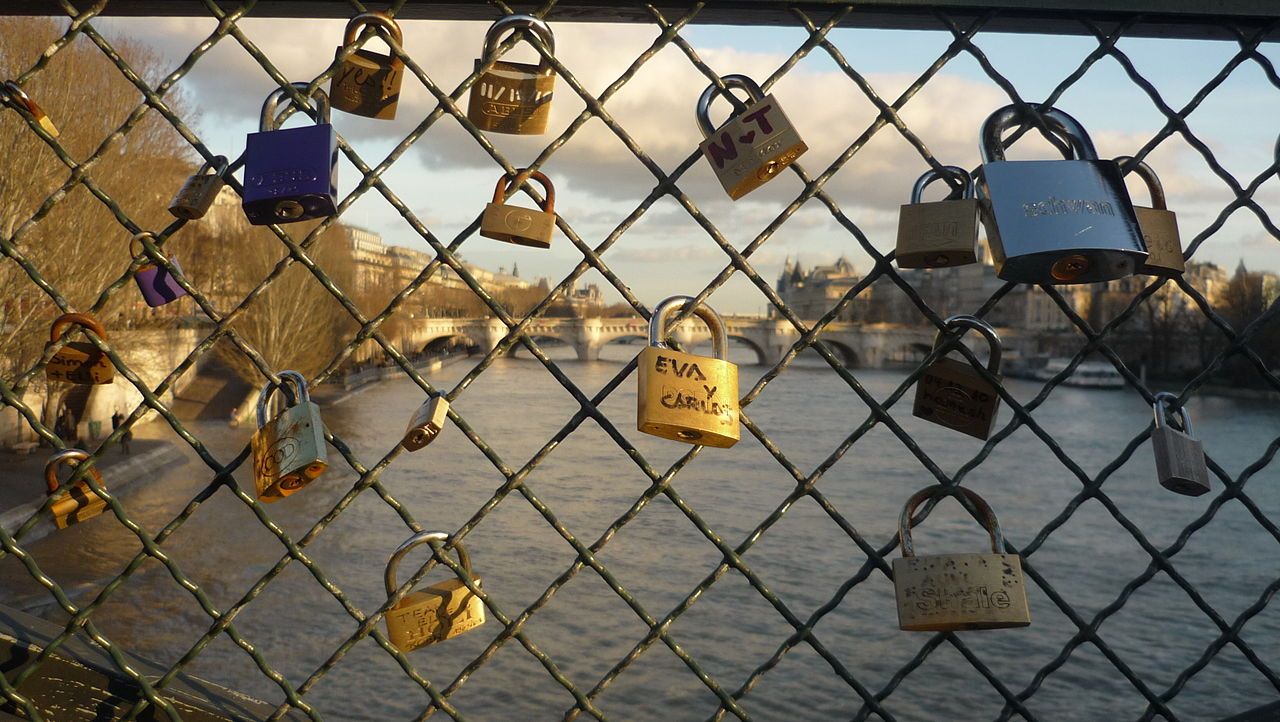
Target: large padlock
79 362
157 285
434 614
1159 227
196 195
682 396
367 83
513 97
77 502
952 393
521 226
291 175
17 97
426 423
751 147
955 592
289 450
1056 221
1180 464
941 233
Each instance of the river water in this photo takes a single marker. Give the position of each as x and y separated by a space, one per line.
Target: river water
660 557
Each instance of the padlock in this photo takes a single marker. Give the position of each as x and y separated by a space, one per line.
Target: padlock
288 451
158 286
682 396
427 423
17 97
941 233
1056 221
955 592
521 226
1159 227
291 175
367 83
77 502
751 147
1180 464
951 393
79 362
434 614
198 193
513 97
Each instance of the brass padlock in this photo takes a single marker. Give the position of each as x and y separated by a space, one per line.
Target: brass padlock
426 423
18 98
751 147
513 97
436 613
941 233
198 193
521 226
1159 227
682 396
78 502
288 451
955 592
951 393
79 362
367 83
1180 464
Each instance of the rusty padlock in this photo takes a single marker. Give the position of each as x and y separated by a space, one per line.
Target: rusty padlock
79 362
513 97
18 98
939 233
368 83
1159 227
196 195
77 502
521 226
753 146
951 393
434 614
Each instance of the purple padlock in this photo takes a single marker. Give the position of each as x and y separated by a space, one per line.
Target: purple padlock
158 286
292 174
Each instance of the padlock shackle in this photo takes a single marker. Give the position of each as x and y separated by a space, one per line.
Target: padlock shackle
14 92
505 182
987 516
662 312
268 121
422 537
291 399
1148 175
137 240
741 82
381 20
519 21
75 319
218 165
62 457
965 320
991 143
1164 399
931 175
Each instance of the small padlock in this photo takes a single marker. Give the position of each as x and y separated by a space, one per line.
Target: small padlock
367 83
158 286
513 97
17 97
521 226
79 362
288 451
1056 221
427 423
198 193
1159 227
941 233
1180 464
436 613
78 502
751 147
951 393
955 592
291 175
682 396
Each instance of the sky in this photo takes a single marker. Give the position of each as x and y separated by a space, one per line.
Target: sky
446 178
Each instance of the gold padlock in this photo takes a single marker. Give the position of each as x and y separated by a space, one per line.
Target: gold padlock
513 97
78 502
79 362
367 83
521 226
1159 227
941 233
436 613
17 97
954 592
682 396
951 393
751 147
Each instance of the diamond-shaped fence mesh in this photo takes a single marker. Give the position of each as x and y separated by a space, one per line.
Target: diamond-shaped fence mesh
769 599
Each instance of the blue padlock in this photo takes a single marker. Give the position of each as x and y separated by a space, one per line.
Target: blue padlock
291 175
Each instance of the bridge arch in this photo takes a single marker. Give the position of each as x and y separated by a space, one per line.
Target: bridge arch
761 357
445 342
847 355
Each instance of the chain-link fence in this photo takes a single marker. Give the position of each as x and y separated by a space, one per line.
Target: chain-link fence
871 695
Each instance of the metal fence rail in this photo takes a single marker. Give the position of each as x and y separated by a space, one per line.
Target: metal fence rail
1245 24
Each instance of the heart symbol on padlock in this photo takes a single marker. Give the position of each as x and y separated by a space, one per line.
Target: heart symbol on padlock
748 136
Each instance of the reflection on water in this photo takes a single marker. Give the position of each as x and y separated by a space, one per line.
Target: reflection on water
587 482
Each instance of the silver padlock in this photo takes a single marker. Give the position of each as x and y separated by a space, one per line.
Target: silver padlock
941 233
1159 227
426 424
198 193
289 450
1180 464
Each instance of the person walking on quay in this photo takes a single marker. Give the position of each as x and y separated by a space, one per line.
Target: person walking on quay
116 419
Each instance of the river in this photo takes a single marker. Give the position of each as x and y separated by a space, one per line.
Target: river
660 557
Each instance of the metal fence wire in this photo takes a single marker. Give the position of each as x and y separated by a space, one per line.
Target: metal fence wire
817 21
